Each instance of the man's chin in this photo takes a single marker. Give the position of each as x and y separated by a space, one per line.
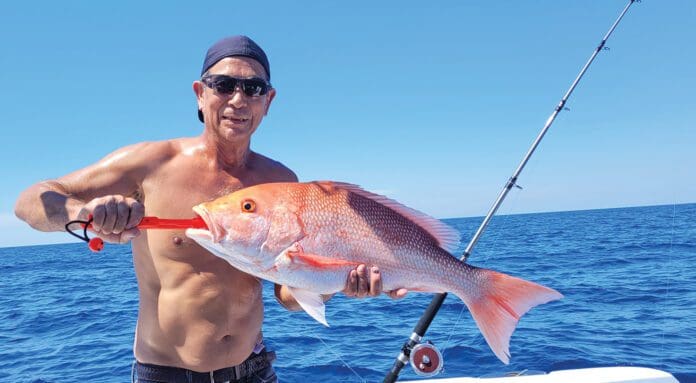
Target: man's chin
234 132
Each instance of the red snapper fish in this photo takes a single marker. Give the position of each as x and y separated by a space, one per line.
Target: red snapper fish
308 236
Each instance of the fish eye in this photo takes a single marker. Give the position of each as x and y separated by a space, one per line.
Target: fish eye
248 206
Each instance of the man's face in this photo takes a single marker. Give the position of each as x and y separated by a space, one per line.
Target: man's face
235 116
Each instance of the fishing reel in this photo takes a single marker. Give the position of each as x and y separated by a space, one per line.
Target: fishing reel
426 360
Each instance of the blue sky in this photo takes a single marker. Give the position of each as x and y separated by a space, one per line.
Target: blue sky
431 103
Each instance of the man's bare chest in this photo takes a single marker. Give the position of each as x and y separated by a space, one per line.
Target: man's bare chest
174 196
177 197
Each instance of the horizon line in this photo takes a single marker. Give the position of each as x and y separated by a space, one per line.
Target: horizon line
445 219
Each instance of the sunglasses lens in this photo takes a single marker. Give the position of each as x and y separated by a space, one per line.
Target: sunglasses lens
225 85
254 88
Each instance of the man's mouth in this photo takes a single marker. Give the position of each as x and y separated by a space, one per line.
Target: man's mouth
235 119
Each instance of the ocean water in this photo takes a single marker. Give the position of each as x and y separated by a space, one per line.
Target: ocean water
628 276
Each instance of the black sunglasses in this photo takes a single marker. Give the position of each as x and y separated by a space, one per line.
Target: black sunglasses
223 84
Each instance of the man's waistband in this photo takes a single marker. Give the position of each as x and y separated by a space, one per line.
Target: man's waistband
256 362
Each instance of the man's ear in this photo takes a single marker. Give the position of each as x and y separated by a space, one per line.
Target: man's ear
271 95
198 90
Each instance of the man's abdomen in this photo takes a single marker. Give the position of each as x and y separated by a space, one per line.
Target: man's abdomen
202 315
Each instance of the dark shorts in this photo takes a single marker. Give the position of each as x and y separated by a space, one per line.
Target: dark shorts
256 369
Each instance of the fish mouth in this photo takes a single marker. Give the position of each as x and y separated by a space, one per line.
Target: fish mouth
214 232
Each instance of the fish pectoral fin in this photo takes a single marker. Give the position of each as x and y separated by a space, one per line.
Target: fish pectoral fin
311 302
297 255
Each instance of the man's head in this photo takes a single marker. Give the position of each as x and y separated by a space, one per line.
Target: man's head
234 92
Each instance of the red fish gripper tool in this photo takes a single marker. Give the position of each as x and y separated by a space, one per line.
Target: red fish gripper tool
96 244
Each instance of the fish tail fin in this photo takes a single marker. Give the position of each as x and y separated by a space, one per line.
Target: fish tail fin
498 301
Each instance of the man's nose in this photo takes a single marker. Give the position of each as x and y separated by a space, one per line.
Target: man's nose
238 98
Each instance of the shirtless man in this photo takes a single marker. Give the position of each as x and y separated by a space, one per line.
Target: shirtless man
199 318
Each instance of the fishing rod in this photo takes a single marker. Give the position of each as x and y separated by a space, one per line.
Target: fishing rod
426 359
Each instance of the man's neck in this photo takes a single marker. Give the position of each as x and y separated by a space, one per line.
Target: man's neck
229 155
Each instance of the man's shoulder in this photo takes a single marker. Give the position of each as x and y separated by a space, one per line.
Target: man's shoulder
142 156
148 150
275 170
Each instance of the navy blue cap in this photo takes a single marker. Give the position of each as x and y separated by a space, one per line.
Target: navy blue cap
234 46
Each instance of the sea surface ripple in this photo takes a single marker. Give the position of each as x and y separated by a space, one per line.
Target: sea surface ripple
628 277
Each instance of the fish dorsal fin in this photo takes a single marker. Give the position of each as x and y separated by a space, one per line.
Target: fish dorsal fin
446 237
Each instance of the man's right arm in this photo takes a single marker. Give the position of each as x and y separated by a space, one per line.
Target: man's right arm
107 190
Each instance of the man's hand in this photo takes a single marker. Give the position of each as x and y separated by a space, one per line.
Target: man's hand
363 283
114 217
